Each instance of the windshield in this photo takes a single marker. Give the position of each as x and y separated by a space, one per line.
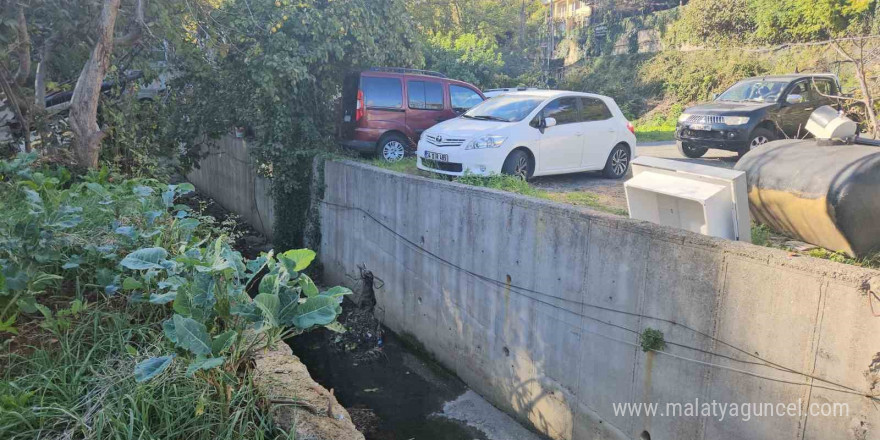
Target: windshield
509 108
754 91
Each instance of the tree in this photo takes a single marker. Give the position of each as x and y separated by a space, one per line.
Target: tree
844 24
84 103
467 57
45 27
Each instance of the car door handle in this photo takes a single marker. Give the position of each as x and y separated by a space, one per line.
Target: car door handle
580 133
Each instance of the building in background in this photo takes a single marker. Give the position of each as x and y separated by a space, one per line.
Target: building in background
571 14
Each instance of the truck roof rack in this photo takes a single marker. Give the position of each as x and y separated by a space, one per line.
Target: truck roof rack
410 71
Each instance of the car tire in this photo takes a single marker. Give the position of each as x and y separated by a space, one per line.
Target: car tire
760 136
518 164
618 161
688 150
392 147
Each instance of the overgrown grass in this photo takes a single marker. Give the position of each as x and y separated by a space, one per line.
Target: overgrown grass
506 183
583 198
762 235
78 384
658 125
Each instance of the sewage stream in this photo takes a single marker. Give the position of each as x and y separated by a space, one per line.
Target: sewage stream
394 393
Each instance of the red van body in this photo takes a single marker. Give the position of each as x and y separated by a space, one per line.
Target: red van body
385 110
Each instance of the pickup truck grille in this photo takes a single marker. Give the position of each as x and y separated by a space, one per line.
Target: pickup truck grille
700 119
443 141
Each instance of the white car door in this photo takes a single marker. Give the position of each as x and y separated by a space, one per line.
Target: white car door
601 133
561 146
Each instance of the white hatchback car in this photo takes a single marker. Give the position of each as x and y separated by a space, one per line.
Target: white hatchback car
532 133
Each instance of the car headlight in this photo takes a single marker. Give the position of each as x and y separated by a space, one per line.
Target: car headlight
486 142
736 120
684 117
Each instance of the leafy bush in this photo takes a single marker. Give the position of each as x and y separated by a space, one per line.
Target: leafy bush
466 57
61 235
213 313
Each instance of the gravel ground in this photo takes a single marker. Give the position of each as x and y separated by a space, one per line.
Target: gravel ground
610 191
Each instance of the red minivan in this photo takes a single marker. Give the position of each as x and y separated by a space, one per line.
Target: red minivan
385 110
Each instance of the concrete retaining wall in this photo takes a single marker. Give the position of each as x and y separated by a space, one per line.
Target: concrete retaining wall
228 177
544 343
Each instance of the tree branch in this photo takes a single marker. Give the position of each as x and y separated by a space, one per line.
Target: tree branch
135 35
40 79
23 49
6 84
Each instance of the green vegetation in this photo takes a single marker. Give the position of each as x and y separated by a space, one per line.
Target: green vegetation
125 301
506 183
78 384
652 340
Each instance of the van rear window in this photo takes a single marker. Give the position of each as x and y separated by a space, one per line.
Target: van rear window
382 92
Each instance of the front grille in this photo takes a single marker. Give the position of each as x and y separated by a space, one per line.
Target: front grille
443 141
442 166
700 134
708 119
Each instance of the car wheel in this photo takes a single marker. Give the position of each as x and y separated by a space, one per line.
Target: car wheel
392 147
618 162
519 164
691 151
759 137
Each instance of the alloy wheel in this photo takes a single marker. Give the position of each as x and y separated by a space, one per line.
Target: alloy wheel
619 162
758 141
393 151
521 169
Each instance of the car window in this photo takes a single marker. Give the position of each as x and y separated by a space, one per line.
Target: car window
800 88
593 109
424 95
564 110
823 87
382 92
463 98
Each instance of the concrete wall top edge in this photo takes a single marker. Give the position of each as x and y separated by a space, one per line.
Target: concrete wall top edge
842 273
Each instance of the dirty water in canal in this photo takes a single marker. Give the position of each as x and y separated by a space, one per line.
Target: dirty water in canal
393 391
390 392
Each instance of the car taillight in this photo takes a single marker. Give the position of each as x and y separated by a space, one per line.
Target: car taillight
359 110
630 127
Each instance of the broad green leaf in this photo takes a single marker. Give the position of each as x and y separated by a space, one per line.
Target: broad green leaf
269 284
336 292
223 341
302 257
317 310
143 259
203 363
308 286
163 298
192 335
336 326
269 305
131 284
183 302
185 188
169 330
289 301
150 368
142 191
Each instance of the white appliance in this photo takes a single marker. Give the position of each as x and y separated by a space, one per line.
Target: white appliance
698 198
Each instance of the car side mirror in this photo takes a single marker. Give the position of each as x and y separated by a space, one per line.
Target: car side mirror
549 122
794 99
715 96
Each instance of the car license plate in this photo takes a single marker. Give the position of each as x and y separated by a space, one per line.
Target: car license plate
701 127
436 156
